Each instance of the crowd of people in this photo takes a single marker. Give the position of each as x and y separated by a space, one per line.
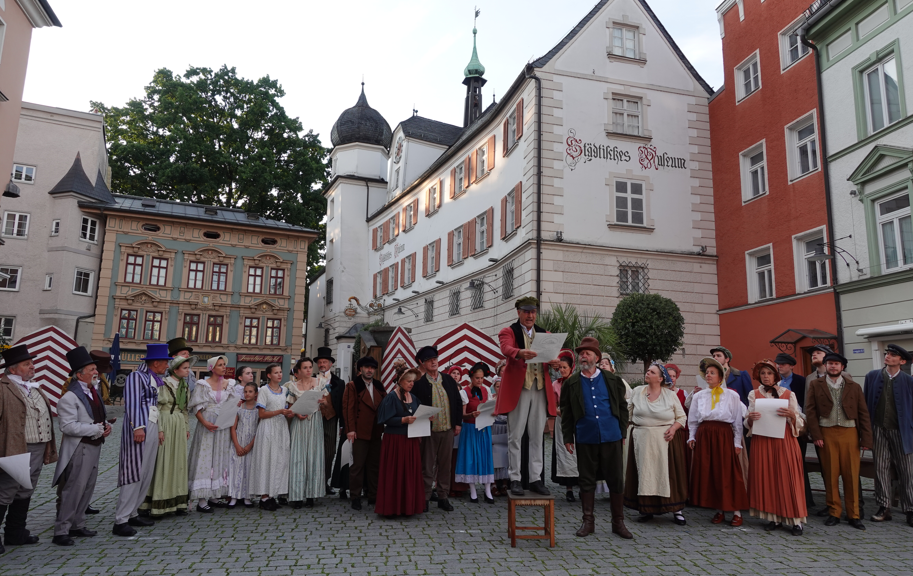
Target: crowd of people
654 449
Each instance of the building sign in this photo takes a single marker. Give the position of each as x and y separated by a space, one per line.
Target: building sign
136 356
264 358
649 158
384 256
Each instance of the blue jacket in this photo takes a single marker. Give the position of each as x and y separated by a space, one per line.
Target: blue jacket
739 381
903 400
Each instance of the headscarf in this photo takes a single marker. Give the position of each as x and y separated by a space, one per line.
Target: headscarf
756 372
667 380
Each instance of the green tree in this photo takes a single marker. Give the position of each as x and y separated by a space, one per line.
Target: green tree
649 327
565 318
211 137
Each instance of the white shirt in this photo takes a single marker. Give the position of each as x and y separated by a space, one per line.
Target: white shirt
369 386
729 410
24 384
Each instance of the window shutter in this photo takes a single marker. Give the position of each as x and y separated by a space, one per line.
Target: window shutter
490 225
468 237
519 118
414 211
440 192
396 225
373 238
386 233
452 182
413 265
467 167
395 275
504 139
405 224
424 262
402 272
472 165
386 280
450 247
518 204
503 217
490 153
427 201
374 283
437 250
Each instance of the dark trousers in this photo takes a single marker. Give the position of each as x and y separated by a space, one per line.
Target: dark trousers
436 463
330 430
365 467
598 461
809 497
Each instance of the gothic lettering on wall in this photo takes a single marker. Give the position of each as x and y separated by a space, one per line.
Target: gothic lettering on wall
580 152
384 256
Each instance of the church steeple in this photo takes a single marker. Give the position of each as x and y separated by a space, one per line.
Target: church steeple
473 80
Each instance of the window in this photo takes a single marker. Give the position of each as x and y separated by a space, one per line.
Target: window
410 211
378 283
839 45
754 172
192 327
15 224
882 95
633 278
429 309
9 278
396 179
407 270
748 77
476 294
134 271
624 42
626 116
89 230
331 209
459 180
510 208
251 331
629 202
55 227
901 4
82 282
7 323
210 235
152 328
511 130
392 278
214 330
895 232
872 21
276 281
814 273
791 47
802 147
481 232
273 328
219 276
24 174
760 274
158 273
455 302
456 249
255 280
432 257
127 328
48 281
195 275
151 228
507 281
481 165
432 199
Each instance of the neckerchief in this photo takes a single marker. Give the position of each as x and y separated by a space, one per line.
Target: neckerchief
772 390
715 395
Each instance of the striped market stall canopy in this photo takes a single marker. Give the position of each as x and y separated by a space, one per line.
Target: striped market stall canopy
464 346
50 346
400 347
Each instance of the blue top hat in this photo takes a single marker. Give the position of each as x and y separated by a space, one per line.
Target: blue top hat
156 352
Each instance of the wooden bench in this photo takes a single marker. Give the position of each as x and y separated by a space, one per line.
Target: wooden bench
546 502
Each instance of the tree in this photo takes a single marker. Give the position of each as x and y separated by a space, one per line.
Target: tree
216 139
649 327
565 318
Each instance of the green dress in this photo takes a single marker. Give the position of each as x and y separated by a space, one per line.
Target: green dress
168 491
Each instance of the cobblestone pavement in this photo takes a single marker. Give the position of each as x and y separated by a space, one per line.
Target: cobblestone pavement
332 538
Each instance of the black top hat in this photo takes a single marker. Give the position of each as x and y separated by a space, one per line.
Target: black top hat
899 351
783 358
366 361
425 353
326 353
15 355
79 358
175 345
834 357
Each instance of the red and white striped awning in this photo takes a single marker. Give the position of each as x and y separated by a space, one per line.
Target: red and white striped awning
399 346
464 346
50 346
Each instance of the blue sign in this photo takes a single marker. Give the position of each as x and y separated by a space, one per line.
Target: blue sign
858 351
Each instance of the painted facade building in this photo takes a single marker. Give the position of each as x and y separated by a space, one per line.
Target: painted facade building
53 248
228 281
769 188
589 180
865 56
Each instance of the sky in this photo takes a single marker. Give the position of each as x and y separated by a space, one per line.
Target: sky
411 53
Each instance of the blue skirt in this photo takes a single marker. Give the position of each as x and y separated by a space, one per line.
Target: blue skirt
475 463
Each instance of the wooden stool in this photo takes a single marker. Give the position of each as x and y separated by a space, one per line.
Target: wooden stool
547 502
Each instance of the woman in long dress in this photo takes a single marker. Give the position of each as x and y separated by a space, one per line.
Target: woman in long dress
475 463
776 481
564 464
209 456
656 476
306 466
499 439
243 437
270 457
400 487
168 491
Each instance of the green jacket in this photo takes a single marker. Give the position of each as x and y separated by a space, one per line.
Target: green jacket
571 403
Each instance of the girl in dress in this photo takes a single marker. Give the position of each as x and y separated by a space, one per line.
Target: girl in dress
564 464
475 462
306 465
245 376
400 487
243 433
270 456
210 451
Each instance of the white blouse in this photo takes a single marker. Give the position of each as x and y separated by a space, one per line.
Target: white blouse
729 410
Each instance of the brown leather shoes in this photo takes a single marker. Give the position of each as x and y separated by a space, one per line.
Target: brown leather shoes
587 501
618 516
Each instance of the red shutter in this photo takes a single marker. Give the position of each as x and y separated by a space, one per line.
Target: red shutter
503 217
397 224
405 224
472 166
437 251
504 139
491 153
374 282
414 211
519 118
467 166
386 233
490 224
518 204
468 237
440 192
450 248
373 238
413 265
402 272
395 276
427 201
424 262
452 182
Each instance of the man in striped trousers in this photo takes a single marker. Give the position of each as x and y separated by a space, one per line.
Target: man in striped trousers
889 396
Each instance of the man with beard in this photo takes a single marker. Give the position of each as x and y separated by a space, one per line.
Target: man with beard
335 386
360 401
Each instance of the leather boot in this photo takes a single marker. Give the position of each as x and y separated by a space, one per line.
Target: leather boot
618 516
15 533
2 515
587 501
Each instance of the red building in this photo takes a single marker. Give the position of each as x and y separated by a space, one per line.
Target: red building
769 188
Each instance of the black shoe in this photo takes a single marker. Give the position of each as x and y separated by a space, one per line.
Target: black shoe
204 509
123 530
90 510
140 521
232 506
539 488
426 505
356 503
434 495
309 503
516 488
269 505
823 512
251 505
330 491
371 502
84 532
489 500
3 550
645 517
218 504
445 505
474 500
181 512
283 501
910 518
857 524
771 526
832 521
143 513
680 520
297 504
63 540
343 494
797 530
883 515
570 496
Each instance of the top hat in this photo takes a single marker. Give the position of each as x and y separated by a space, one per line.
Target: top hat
325 352
102 359
15 355
156 352
79 358
175 345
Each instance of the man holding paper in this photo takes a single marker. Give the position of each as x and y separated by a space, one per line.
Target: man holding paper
360 402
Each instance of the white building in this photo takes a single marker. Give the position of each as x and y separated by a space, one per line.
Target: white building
52 254
589 180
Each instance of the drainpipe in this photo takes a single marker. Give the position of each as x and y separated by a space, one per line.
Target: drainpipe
825 169
532 75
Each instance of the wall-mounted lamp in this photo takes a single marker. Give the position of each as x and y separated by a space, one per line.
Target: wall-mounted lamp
416 292
495 260
399 311
441 282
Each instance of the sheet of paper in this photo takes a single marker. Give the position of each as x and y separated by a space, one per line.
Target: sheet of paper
770 424
487 416
227 413
422 425
18 468
499 450
307 403
345 455
546 347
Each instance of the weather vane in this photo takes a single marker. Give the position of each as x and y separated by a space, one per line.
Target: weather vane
476 17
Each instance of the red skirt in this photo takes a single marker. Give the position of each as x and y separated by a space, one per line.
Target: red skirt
776 481
400 487
716 474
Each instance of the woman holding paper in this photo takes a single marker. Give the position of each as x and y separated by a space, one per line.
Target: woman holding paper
270 456
209 457
475 463
715 436
776 482
564 464
400 487
306 479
